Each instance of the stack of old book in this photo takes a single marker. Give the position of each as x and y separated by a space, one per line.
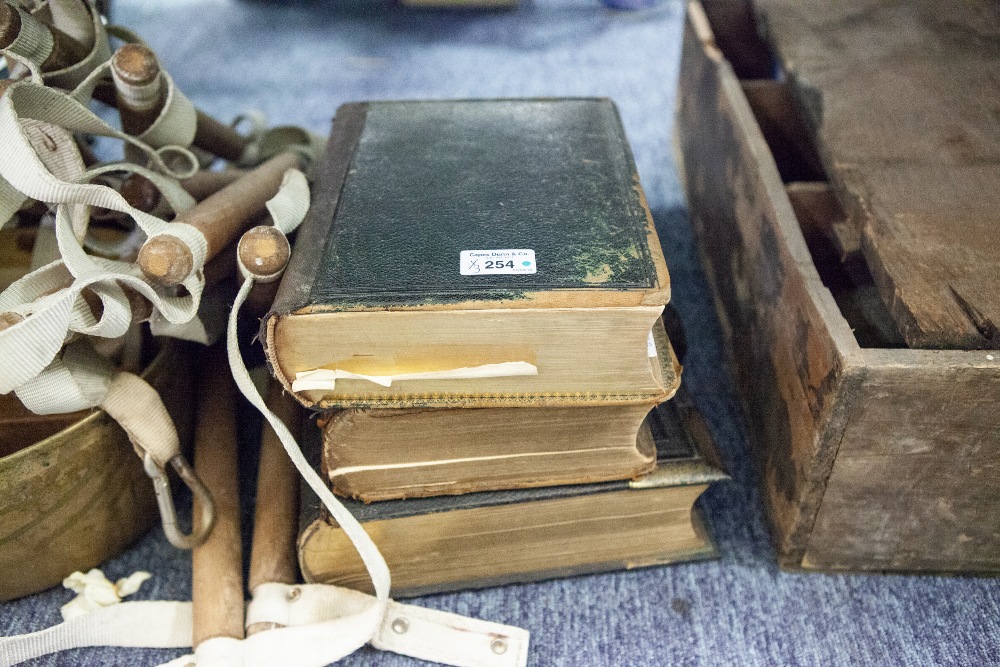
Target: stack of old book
474 303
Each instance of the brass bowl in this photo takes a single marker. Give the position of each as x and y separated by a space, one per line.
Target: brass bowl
72 490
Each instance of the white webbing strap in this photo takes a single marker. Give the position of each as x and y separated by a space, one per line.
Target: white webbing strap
320 628
140 412
58 309
321 624
137 624
75 19
100 51
40 161
32 45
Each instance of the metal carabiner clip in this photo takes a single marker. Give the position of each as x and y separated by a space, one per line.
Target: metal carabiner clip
165 501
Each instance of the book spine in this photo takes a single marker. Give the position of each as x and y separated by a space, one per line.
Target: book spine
296 284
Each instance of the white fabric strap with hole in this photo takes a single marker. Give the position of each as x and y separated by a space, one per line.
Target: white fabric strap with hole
317 632
56 309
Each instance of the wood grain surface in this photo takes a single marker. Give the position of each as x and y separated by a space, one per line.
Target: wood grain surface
902 100
787 338
871 456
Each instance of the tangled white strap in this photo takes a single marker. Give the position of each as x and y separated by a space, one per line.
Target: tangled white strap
319 630
321 623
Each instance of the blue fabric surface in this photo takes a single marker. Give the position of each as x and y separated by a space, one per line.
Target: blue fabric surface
297 62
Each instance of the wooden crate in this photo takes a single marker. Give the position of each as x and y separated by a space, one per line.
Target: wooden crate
871 455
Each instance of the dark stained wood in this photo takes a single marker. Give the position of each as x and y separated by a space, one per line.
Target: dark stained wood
785 132
771 303
901 98
734 27
836 253
870 457
221 217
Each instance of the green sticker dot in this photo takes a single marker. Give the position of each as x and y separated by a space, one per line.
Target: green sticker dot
526 263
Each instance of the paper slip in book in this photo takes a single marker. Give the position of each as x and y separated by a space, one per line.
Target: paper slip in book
476 253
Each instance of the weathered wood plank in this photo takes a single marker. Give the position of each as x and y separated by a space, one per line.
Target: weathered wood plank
775 312
734 30
902 101
914 483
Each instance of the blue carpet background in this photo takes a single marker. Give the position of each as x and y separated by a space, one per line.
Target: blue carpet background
297 62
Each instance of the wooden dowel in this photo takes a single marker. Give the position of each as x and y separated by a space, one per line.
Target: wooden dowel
221 267
73 17
139 85
273 556
206 182
140 192
66 51
218 138
217 564
166 261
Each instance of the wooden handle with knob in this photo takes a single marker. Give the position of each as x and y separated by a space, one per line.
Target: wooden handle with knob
138 87
140 98
166 260
140 192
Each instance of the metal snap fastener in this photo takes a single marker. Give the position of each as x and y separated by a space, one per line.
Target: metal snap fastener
293 594
499 646
400 625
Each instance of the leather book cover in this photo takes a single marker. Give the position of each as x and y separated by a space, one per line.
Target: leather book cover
406 187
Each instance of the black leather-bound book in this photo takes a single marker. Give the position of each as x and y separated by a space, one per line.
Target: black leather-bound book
469 254
483 539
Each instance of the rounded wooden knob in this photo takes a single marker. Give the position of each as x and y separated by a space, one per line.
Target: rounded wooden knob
166 260
264 251
140 193
135 64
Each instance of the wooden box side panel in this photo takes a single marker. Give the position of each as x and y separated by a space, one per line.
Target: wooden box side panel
914 486
778 319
